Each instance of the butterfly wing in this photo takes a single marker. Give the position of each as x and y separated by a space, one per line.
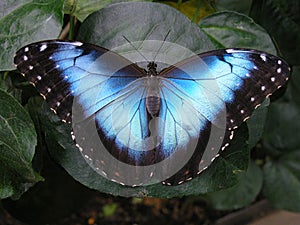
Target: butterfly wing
222 88
94 89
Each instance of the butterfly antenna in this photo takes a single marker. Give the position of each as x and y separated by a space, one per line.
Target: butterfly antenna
161 45
135 48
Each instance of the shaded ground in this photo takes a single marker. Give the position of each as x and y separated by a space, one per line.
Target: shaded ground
105 209
112 210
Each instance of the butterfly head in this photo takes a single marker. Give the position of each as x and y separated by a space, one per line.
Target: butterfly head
152 66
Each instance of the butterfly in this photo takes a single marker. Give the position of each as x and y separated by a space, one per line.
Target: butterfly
134 125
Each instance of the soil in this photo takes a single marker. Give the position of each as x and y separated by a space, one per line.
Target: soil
105 209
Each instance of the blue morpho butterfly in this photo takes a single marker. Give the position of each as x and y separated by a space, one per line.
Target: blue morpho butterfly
124 105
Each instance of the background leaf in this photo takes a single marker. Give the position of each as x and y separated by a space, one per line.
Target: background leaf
241 194
282 122
23 22
17 145
235 30
256 123
82 8
282 181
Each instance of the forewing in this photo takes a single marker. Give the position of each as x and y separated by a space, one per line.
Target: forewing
63 70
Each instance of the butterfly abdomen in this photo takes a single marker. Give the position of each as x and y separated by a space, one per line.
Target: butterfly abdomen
153 105
153 96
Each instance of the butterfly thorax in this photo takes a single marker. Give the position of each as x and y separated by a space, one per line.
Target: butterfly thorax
153 87
152 69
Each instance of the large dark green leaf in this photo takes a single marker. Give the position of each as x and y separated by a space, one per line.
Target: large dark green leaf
282 181
82 8
24 22
231 29
256 123
17 146
140 22
241 194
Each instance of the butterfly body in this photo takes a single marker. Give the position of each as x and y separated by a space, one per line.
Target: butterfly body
162 121
153 90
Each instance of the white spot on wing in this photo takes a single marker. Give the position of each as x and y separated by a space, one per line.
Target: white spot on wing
25 58
43 47
272 79
230 50
279 70
279 62
30 67
39 77
263 57
26 49
231 136
263 88
77 43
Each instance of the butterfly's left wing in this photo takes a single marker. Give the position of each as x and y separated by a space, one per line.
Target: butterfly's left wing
223 87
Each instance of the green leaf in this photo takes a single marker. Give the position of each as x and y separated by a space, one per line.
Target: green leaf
256 123
283 122
241 194
235 30
17 146
281 19
7 83
151 21
234 5
282 181
83 8
24 22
